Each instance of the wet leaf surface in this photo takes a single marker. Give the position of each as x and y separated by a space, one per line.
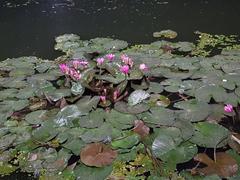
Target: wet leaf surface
98 155
225 166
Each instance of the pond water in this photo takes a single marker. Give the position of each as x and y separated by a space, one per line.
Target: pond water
28 27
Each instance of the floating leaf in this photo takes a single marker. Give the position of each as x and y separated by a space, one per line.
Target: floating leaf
77 88
97 154
87 103
36 117
125 108
140 128
66 116
182 153
225 166
90 173
193 110
126 142
137 97
165 33
6 141
159 116
120 120
93 120
204 130
96 135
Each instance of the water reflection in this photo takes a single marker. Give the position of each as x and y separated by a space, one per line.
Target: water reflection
28 27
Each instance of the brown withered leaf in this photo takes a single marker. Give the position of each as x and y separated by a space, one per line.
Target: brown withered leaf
140 128
97 154
225 166
234 142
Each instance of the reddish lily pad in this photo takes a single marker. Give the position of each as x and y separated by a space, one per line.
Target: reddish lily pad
98 155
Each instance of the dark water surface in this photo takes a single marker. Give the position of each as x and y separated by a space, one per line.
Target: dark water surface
28 27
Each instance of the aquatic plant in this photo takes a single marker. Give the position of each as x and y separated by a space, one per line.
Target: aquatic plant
104 109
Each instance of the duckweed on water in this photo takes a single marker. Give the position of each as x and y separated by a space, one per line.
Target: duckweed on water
149 109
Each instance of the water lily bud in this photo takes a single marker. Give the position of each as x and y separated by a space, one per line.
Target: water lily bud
64 68
76 64
116 93
143 67
83 63
124 69
100 61
127 60
103 99
228 108
110 57
74 74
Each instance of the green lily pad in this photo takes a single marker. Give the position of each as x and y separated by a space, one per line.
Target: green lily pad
182 153
166 34
155 88
204 130
58 94
45 132
92 120
193 110
13 82
6 141
8 94
90 173
125 108
67 115
77 88
137 97
159 100
120 120
126 142
206 92
22 72
162 144
97 134
75 145
87 103
158 116
35 117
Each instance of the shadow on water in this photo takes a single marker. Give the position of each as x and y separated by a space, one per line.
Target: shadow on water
28 27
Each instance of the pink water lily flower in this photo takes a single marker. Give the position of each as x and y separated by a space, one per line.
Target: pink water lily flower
100 61
127 60
124 69
116 93
64 68
83 63
76 64
103 99
228 108
110 57
143 67
74 74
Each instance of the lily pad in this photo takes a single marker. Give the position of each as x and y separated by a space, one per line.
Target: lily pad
35 117
125 108
158 116
193 110
204 130
126 142
137 97
182 153
77 88
66 116
120 120
90 173
93 120
87 103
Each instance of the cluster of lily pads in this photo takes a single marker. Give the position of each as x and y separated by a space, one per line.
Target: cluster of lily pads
108 111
